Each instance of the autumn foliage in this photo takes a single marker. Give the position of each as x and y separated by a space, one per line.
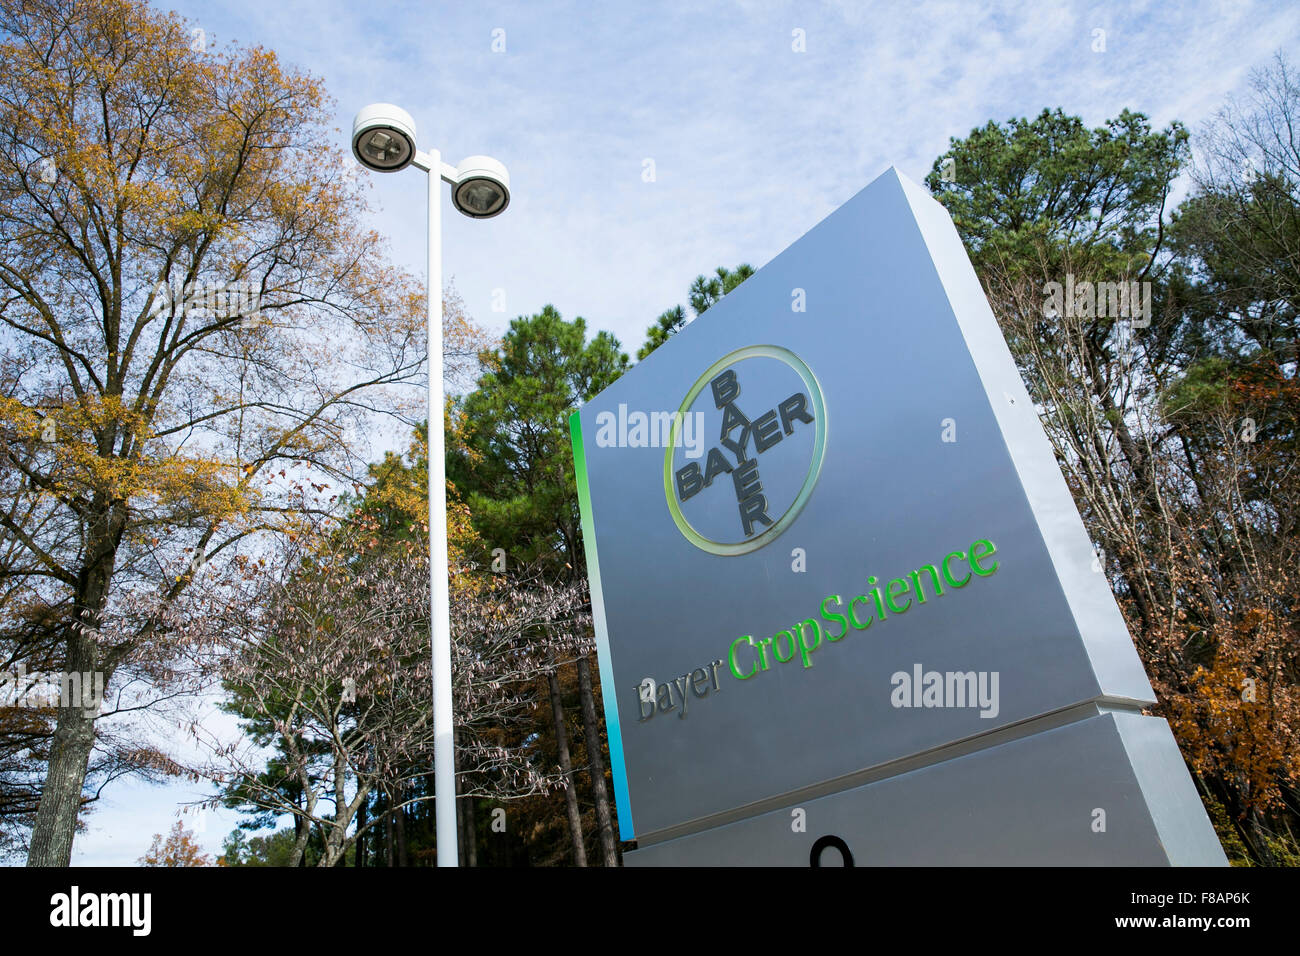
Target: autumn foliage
176 849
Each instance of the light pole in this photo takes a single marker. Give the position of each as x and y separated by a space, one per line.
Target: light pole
383 139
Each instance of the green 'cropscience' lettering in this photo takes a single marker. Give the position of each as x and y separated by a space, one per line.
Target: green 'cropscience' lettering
803 638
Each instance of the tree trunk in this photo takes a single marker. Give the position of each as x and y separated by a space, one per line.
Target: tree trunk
388 829
399 824
301 834
334 852
359 858
470 836
74 732
590 733
56 816
461 856
566 767
462 852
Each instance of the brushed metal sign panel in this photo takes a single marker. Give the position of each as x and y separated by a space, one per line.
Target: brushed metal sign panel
935 514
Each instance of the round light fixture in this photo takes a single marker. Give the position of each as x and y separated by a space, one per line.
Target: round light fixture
383 137
482 187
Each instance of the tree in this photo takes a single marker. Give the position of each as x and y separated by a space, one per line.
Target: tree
1236 407
177 849
705 291
1175 429
1024 193
514 461
1047 201
191 307
275 849
1238 235
327 662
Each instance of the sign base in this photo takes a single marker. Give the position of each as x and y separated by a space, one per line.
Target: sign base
1109 789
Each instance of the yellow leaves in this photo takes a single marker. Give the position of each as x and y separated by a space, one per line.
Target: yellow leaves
178 848
99 447
1234 720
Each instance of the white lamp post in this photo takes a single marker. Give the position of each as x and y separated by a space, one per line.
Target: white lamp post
383 139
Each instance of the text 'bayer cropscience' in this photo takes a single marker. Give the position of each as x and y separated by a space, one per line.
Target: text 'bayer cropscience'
749 657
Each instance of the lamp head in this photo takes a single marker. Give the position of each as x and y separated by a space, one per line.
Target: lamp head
383 137
482 187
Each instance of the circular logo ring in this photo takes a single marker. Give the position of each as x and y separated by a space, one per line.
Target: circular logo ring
814 466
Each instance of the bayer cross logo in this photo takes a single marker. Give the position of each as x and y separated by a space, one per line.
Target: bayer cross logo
765 425
737 431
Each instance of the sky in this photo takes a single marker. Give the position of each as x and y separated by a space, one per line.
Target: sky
757 119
